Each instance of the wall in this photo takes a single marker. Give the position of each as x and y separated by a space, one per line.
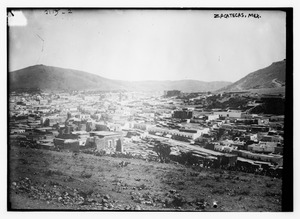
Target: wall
140 126
212 117
183 114
109 144
229 114
66 144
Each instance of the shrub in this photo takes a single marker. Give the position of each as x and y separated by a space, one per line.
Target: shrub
86 175
218 178
244 192
163 151
69 179
178 201
219 191
271 193
241 192
53 172
208 185
180 183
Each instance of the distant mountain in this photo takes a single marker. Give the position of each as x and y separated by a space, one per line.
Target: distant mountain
54 78
182 85
272 76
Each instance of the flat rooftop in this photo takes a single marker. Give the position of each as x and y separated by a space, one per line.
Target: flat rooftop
104 133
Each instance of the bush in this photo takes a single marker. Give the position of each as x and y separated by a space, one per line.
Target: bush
208 185
53 172
218 178
219 191
142 187
241 192
178 201
271 193
86 175
100 153
180 183
244 192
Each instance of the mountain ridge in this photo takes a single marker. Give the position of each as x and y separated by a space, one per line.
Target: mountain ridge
56 78
272 76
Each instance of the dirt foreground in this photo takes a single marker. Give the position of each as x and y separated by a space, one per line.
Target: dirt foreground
43 179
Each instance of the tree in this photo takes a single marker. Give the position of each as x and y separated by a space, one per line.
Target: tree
163 151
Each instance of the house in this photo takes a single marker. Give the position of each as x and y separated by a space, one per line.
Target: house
71 144
171 93
212 117
17 131
229 113
183 114
52 120
107 141
141 126
101 127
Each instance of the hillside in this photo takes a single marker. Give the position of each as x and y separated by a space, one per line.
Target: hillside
51 180
272 76
54 78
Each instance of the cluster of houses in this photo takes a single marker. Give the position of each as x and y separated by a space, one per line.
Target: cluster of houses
103 120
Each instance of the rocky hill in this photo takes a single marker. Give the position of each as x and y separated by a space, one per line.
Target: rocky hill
272 76
54 78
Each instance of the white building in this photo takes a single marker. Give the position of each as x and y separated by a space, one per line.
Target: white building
229 113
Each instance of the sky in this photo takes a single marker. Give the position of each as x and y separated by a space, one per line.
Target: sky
137 45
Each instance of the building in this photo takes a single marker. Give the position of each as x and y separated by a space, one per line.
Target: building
261 157
183 135
172 93
182 114
229 113
263 147
52 120
271 138
212 117
107 141
70 144
101 127
141 126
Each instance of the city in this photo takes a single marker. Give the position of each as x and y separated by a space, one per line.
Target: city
170 127
117 122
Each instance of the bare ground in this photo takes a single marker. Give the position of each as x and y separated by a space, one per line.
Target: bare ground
43 179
